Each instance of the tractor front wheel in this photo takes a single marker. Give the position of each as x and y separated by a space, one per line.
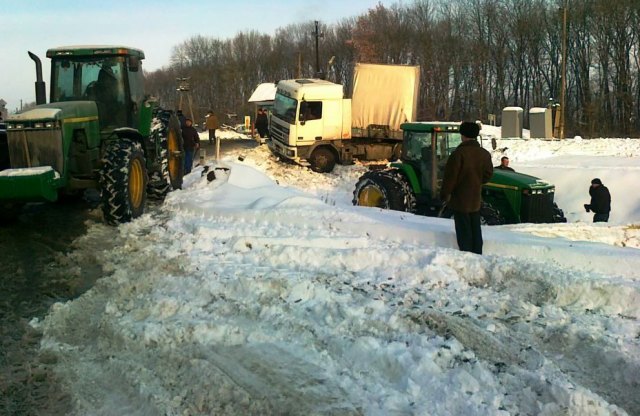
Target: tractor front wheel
387 189
489 215
123 181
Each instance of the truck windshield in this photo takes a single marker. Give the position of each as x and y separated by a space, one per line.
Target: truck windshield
285 108
74 79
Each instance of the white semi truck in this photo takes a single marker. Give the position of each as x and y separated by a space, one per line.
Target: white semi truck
314 125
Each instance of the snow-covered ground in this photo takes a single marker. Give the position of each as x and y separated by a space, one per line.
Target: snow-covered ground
266 292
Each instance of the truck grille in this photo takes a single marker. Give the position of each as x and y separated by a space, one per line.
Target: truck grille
279 133
537 208
31 148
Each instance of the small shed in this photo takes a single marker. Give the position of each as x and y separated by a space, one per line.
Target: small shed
264 95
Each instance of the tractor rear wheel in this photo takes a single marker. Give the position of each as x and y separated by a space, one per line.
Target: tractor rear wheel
387 189
123 181
322 160
167 135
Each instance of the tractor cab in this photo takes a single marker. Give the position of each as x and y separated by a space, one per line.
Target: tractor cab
110 77
426 147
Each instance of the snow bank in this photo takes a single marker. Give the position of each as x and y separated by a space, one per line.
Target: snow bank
242 296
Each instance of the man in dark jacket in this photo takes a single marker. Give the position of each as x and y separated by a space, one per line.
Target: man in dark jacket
504 164
262 123
468 167
600 201
191 144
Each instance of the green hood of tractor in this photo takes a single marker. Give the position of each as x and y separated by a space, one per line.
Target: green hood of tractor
502 178
57 112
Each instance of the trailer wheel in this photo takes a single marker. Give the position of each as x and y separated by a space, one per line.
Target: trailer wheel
387 189
489 215
167 135
123 181
322 160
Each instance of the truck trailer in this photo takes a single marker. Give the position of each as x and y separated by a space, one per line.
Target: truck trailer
314 124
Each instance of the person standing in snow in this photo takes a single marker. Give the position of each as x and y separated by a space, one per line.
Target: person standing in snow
468 167
191 144
600 201
212 124
262 123
504 164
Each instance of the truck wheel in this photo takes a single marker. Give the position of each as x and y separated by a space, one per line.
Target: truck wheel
168 176
322 160
489 215
387 189
123 181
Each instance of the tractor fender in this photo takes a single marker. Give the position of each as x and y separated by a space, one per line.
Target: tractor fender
409 173
131 134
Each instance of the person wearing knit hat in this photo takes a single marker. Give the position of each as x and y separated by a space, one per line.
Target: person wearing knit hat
468 167
600 201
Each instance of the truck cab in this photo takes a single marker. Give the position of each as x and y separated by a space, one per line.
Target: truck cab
308 113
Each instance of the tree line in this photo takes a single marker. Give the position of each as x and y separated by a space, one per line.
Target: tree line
476 57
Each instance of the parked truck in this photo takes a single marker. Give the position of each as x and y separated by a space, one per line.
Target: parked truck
314 124
99 130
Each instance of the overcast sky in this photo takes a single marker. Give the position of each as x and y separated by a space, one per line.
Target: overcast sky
154 26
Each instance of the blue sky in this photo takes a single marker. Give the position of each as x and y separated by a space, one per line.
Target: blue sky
153 26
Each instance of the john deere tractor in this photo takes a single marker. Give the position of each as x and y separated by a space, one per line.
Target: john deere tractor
100 130
413 184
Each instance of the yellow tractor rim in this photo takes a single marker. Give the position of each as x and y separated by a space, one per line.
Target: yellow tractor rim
371 196
136 183
172 149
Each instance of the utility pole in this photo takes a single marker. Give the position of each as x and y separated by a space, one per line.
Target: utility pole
564 69
185 88
318 35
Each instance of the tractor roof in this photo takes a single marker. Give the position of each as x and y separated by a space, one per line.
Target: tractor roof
431 126
94 50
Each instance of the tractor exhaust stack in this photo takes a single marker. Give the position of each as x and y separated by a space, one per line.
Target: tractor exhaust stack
41 95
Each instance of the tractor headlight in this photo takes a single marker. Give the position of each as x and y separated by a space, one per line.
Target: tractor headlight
49 124
38 125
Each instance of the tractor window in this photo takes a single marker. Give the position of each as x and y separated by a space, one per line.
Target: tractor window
447 143
91 79
416 145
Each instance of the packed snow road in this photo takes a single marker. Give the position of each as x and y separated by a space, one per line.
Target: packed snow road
240 296
47 258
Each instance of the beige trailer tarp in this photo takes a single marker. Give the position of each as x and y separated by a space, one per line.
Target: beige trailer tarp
384 95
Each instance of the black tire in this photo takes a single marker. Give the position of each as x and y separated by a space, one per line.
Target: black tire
322 160
489 215
123 181
387 189
169 171
558 214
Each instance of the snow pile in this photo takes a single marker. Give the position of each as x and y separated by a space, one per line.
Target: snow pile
242 296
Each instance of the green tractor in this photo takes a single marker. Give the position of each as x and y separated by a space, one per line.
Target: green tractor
99 131
413 184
